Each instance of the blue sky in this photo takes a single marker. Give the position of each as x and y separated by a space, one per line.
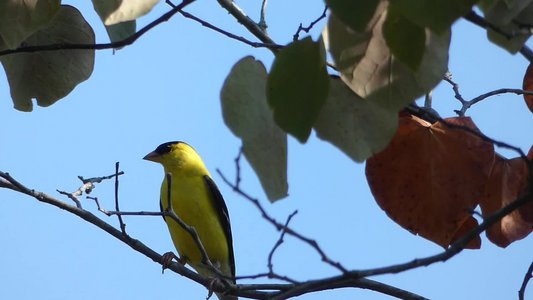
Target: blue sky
166 87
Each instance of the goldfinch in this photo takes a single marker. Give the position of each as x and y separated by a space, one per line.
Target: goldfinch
197 201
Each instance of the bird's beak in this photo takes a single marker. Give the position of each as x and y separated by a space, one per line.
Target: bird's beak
153 156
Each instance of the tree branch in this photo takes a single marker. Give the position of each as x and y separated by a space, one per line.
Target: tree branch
474 18
242 18
527 277
125 42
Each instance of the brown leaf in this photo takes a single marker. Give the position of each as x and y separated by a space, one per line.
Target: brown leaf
507 182
528 86
526 211
429 178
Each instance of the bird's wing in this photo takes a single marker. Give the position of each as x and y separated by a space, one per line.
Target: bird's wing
223 217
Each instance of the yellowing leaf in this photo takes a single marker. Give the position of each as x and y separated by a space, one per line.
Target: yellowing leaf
121 31
297 86
369 69
21 18
358 127
246 113
430 178
50 76
118 11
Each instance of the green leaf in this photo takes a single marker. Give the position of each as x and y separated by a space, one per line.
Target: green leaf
406 40
121 31
375 74
507 16
358 127
438 15
118 11
356 14
297 86
247 115
20 19
504 12
50 76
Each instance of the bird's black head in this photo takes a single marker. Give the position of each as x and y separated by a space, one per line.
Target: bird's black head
166 147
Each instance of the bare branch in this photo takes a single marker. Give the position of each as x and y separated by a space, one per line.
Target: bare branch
262 20
296 36
120 221
222 31
479 98
242 18
466 104
280 226
527 277
125 42
270 265
474 18
455 86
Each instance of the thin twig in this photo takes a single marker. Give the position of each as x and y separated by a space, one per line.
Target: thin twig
468 104
120 221
222 31
87 186
248 23
278 243
455 87
274 222
113 45
296 36
527 277
262 19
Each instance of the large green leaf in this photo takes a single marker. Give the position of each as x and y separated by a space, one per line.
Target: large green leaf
118 11
356 14
246 113
438 15
50 76
406 40
358 127
369 69
297 86
21 18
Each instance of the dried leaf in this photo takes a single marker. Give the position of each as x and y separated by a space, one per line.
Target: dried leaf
528 86
430 177
507 182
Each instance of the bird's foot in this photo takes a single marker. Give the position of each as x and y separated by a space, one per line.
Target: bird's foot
167 259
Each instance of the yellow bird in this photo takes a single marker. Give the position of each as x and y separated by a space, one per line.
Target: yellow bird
197 201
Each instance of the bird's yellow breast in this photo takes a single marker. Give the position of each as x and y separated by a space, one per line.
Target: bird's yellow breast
192 202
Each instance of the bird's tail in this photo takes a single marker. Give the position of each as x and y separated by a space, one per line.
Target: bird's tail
226 297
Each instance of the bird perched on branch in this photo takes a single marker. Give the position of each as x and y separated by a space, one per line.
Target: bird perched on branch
196 200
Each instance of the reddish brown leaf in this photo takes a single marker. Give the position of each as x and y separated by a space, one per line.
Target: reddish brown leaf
528 86
507 182
429 178
526 211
